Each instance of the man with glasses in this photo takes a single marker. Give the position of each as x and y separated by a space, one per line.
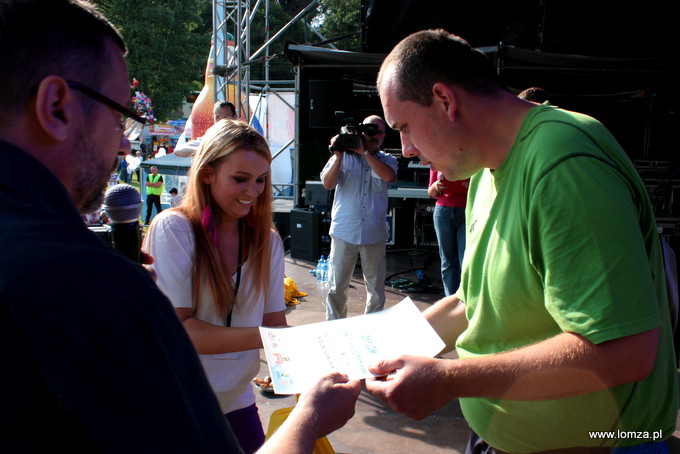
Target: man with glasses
118 374
360 177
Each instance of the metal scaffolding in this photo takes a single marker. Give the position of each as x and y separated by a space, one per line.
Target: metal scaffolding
234 58
231 47
233 55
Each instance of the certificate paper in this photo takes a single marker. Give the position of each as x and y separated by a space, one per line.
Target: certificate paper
298 356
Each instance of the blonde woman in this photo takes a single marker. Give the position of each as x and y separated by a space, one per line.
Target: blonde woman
220 262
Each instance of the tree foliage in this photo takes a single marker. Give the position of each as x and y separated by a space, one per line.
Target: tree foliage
280 68
338 18
169 41
332 19
168 44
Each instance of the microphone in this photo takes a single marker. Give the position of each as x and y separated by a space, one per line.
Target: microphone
123 205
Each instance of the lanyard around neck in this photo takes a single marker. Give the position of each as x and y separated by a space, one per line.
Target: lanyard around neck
238 272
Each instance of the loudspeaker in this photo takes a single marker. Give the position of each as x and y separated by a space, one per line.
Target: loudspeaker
282 224
305 240
325 98
293 7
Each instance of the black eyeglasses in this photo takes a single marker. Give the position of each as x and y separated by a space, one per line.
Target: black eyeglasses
124 111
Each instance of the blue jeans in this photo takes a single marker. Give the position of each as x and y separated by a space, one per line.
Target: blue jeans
449 224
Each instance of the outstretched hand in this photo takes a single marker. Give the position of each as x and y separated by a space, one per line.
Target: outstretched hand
325 407
330 402
412 385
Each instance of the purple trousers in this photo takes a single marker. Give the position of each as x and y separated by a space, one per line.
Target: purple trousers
247 427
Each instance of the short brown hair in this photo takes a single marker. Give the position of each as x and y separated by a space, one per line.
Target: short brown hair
424 58
43 37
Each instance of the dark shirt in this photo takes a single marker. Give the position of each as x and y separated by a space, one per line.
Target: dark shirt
92 355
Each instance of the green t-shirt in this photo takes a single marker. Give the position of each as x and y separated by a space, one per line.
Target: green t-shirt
562 238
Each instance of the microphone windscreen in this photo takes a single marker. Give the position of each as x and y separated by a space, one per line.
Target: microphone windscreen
122 203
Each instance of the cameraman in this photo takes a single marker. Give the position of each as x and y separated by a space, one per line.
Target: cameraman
360 177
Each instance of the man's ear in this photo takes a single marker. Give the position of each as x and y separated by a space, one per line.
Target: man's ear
445 97
54 107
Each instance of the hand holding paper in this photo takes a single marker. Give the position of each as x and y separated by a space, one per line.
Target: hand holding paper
414 374
322 409
298 356
332 400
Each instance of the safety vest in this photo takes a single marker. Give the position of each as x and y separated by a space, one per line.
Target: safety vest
154 191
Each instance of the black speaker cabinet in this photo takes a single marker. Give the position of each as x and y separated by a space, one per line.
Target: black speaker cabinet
327 97
305 239
282 224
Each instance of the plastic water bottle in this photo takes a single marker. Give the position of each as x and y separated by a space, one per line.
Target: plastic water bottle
326 267
319 269
324 271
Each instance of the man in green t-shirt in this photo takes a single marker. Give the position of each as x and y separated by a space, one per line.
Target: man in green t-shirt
561 322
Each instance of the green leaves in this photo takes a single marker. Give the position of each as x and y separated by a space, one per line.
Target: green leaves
168 44
169 41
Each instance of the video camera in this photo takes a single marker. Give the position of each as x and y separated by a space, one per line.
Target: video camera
349 137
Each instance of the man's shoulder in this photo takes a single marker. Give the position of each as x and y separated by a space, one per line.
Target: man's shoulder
385 155
553 133
550 120
74 267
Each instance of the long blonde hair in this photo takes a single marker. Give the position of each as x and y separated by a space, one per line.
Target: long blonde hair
219 141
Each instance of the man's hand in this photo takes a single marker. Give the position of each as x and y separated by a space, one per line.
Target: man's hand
563 366
329 177
411 385
147 261
326 407
329 404
435 189
362 145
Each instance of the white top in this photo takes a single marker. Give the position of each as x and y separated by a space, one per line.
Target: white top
189 148
171 242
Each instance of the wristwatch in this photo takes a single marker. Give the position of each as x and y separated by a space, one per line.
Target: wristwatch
366 152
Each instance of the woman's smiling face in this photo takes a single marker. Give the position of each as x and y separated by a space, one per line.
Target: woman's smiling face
236 182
